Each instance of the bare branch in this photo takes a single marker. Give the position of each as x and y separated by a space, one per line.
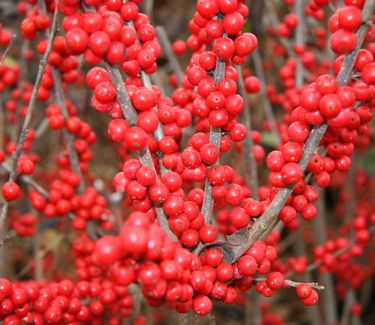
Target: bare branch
28 180
269 218
7 49
69 138
258 65
295 284
300 40
168 51
215 136
144 155
248 149
30 109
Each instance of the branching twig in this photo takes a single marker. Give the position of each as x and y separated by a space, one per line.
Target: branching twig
159 132
300 244
58 239
28 180
269 218
60 99
130 115
316 265
275 22
146 81
30 109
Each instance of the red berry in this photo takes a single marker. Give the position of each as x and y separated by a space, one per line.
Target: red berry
275 280
202 305
76 40
10 191
291 173
108 249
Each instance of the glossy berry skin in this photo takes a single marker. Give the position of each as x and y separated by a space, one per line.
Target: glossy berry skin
99 43
368 73
224 48
108 249
349 17
275 280
208 233
342 41
233 23
202 305
169 164
292 152
10 191
247 265
105 92
303 291
275 161
291 173
135 138
208 8
330 105
76 40
244 45
117 129
312 299
209 153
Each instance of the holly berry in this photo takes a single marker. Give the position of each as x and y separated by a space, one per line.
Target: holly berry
11 191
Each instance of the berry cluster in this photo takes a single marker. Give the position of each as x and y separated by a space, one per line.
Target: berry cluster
178 222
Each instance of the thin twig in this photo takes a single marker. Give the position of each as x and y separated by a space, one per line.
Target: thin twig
248 149
38 258
30 109
69 138
149 6
10 235
258 65
159 132
300 244
275 22
349 301
268 220
316 265
300 249
300 40
58 239
28 180
7 49
253 309
171 56
215 136
2 123
144 155
295 284
329 297
42 128
349 212
146 81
